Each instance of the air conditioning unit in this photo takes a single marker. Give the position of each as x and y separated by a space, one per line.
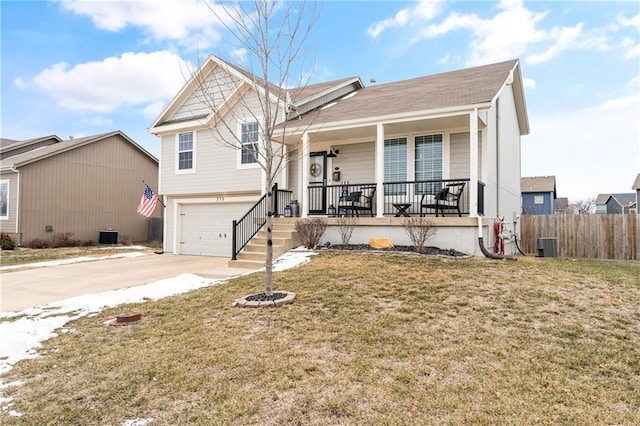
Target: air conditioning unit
548 247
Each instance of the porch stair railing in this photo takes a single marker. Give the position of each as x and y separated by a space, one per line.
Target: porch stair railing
245 228
283 236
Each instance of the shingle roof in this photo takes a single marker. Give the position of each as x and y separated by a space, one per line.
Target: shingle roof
50 150
626 199
466 87
538 184
602 198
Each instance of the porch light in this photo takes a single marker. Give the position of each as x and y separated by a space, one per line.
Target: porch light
333 152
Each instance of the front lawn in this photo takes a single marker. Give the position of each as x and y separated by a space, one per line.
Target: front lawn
371 340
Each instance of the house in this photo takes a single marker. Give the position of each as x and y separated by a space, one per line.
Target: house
455 135
83 185
615 203
562 206
538 194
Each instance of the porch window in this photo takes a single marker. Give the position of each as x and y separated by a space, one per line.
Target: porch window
249 138
428 162
395 165
185 152
4 199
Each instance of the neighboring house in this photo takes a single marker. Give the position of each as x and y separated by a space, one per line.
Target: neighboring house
636 187
562 206
538 194
408 140
615 203
81 186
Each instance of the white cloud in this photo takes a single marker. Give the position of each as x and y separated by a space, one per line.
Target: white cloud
528 83
514 31
98 121
425 10
590 151
132 79
189 22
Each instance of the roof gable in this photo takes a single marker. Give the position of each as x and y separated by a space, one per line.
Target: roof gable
538 184
43 152
636 183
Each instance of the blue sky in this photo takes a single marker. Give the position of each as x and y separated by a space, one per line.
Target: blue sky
78 68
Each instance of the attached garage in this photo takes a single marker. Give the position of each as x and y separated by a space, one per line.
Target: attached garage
206 229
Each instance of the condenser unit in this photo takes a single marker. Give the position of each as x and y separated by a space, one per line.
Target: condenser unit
548 247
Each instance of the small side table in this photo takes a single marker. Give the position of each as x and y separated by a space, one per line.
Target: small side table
402 209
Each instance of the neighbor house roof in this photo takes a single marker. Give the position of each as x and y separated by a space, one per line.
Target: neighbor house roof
43 152
538 184
16 147
624 199
636 183
463 88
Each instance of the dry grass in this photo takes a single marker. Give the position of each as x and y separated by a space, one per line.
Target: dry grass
21 256
372 339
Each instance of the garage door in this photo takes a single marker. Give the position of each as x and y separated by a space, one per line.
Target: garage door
206 229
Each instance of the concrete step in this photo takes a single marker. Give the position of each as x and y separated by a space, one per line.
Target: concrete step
246 264
261 248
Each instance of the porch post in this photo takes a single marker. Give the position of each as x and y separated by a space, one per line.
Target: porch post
304 192
473 163
379 170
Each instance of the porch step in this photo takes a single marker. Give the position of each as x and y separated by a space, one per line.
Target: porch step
284 237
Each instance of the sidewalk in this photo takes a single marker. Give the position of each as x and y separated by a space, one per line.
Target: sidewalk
33 287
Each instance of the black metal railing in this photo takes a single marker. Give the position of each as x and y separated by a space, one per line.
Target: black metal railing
399 197
248 225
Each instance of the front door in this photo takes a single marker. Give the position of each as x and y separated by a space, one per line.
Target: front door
317 182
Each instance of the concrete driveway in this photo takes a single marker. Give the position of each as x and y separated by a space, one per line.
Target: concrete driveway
33 287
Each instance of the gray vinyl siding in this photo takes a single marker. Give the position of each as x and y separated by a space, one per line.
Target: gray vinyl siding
209 94
9 225
91 188
459 154
356 162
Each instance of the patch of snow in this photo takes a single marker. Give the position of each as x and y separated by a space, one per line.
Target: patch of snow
22 336
70 261
137 422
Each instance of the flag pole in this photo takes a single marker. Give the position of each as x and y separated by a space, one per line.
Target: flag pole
159 200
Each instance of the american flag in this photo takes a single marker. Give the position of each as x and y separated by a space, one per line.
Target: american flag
148 202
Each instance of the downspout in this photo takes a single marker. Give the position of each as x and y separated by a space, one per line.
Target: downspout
484 250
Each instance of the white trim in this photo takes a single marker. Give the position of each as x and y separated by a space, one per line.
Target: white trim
177 169
8 183
240 122
379 171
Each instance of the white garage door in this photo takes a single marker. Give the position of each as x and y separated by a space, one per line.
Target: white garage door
206 229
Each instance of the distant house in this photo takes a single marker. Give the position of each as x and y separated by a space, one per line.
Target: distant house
636 187
562 206
615 203
538 194
82 186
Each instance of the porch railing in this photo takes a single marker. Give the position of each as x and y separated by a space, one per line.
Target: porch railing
323 198
248 225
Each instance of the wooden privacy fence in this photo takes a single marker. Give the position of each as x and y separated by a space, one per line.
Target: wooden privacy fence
596 236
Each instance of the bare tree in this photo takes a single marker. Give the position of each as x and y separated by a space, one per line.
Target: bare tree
586 206
269 38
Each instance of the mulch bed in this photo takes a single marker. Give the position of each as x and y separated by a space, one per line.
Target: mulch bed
432 251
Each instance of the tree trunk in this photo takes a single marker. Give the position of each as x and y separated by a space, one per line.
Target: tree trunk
268 276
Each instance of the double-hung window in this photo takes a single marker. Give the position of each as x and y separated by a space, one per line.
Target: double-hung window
428 162
395 165
249 136
186 151
4 199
